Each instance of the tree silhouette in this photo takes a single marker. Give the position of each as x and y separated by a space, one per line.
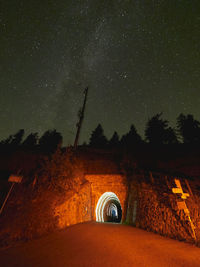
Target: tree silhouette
17 138
188 128
114 141
158 132
14 140
132 138
98 138
31 141
6 141
50 141
170 136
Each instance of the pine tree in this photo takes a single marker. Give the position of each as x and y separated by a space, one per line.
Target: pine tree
98 138
188 128
50 141
114 141
158 132
132 138
31 141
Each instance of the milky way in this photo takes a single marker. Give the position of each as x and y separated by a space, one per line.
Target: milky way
137 57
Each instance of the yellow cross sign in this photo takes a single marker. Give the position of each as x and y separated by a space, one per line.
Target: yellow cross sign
179 190
182 205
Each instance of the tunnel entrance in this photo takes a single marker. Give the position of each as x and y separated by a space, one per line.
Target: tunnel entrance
108 208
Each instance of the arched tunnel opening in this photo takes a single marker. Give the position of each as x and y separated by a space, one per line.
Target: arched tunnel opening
108 208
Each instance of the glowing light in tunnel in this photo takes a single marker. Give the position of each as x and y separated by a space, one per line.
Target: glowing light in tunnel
112 210
107 196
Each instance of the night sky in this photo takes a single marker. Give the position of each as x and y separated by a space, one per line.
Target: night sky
138 57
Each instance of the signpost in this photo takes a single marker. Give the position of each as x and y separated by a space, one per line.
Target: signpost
182 205
13 179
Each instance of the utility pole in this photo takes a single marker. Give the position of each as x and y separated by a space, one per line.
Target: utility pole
81 117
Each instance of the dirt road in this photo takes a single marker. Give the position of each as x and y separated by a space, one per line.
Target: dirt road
94 244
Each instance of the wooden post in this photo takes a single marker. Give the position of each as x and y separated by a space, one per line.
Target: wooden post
4 203
13 179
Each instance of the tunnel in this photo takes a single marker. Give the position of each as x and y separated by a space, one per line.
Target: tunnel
108 208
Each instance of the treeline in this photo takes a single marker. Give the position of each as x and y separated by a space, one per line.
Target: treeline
157 133
47 143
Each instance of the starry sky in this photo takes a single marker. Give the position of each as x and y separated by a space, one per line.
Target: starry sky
138 57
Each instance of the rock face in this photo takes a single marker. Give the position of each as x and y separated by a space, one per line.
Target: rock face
153 206
146 200
81 206
100 184
76 208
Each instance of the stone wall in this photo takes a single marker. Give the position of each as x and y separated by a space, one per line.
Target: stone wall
76 208
153 207
146 199
100 184
29 214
